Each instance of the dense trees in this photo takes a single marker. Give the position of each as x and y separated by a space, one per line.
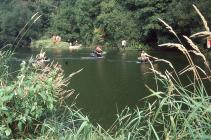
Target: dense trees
14 17
100 21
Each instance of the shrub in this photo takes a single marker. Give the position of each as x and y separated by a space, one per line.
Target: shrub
28 99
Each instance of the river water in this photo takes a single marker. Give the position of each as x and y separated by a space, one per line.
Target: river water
105 86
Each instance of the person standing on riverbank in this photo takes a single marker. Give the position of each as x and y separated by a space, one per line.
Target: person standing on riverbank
124 43
56 39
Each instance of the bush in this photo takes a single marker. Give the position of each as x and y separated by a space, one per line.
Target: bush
27 100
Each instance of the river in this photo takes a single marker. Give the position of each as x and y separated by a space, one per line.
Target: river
105 86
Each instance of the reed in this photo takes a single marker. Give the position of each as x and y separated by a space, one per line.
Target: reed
179 112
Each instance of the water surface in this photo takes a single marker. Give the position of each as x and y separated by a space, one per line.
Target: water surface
105 86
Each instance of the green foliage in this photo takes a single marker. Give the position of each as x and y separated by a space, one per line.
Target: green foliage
132 20
48 43
137 46
61 23
73 21
79 21
4 58
27 100
13 21
29 103
98 36
117 23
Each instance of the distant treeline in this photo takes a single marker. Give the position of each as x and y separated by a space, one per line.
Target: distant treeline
105 22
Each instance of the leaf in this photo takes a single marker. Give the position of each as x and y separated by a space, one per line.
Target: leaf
20 126
6 97
83 125
156 135
8 131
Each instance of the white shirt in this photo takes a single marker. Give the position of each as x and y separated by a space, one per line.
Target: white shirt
124 42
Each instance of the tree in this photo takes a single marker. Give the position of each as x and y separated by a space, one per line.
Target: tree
184 19
101 21
75 21
117 23
13 22
148 12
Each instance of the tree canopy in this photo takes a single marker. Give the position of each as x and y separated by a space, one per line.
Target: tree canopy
105 22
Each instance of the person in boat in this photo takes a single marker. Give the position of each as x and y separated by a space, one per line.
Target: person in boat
98 51
40 58
144 57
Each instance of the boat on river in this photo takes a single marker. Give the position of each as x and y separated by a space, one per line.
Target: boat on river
95 56
91 57
75 47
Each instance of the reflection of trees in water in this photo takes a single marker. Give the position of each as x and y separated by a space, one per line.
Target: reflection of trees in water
123 56
56 50
73 50
99 69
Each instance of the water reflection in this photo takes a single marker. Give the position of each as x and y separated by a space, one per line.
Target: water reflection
115 81
146 75
56 51
100 70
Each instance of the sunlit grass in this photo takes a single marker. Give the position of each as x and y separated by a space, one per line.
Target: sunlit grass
48 43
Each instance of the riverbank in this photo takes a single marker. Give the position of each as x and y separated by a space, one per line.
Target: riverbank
48 43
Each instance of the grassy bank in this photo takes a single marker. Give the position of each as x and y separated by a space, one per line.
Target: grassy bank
48 43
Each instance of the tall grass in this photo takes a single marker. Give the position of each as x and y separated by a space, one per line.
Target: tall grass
4 58
180 111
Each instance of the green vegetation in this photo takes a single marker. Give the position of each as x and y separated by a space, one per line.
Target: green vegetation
33 103
104 22
28 98
48 43
32 106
